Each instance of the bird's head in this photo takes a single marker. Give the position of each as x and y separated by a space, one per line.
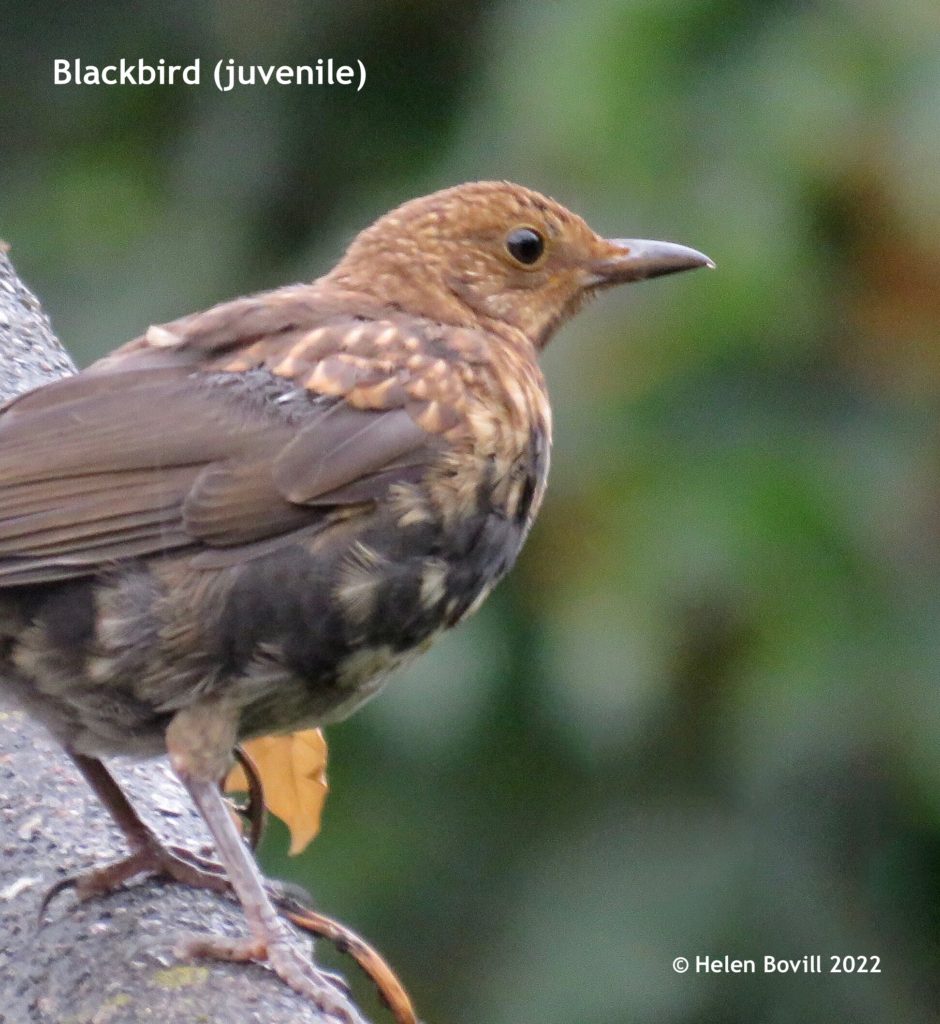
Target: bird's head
497 252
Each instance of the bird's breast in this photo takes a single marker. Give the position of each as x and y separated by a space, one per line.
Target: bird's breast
337 613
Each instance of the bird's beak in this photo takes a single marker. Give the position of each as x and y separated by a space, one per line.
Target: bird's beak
635 259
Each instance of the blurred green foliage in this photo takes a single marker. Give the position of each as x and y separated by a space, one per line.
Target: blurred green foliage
702 716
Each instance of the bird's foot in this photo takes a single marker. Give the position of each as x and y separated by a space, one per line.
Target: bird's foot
174 862
326 991
150 858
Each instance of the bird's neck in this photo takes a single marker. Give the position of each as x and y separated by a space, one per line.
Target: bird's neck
397 282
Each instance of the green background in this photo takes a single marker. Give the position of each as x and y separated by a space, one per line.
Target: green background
702 715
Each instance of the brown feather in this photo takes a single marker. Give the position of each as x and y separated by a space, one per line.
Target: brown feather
343 447
132 459
232 504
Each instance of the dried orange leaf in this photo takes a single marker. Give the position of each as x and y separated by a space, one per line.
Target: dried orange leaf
293 775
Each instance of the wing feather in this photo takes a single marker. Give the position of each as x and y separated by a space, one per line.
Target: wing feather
147 457
343 446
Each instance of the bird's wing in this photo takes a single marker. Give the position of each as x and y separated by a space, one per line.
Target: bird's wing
146 456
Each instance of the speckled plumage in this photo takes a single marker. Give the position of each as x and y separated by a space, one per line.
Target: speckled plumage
241 521
301 605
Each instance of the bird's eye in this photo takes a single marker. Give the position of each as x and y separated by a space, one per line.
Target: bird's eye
525 245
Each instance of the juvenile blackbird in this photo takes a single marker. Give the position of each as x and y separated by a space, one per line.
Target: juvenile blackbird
238 523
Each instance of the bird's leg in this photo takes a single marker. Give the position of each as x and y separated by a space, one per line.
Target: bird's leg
149 855
269 939
199 740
